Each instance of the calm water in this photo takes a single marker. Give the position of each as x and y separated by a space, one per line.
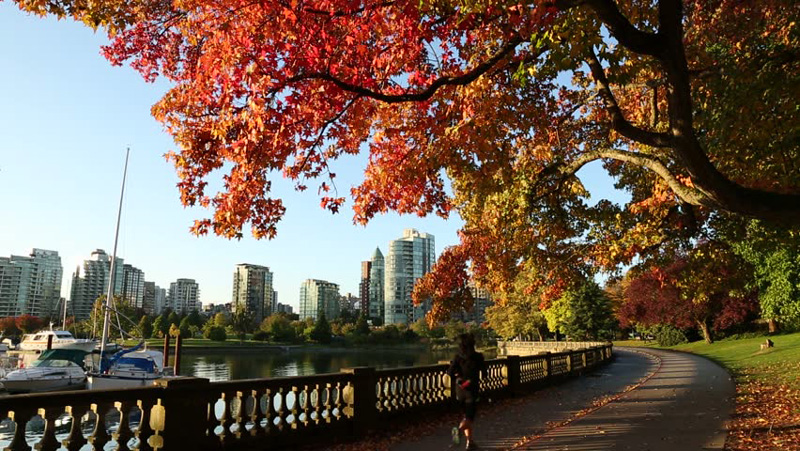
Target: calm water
230 365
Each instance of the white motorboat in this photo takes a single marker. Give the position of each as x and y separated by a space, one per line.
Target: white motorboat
56 369
62 339
132 368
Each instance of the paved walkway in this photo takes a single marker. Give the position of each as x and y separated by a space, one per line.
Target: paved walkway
646 400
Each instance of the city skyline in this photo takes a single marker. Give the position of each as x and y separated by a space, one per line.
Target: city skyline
69 118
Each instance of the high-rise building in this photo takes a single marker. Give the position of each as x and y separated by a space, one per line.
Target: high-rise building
154 299
317 297
409 258
375 302
30 285
149 298
363 288
284 308
481 301
184 296
161 300
252 290
133 286
350 303
91 281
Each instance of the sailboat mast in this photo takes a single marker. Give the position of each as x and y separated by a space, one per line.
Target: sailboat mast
110 293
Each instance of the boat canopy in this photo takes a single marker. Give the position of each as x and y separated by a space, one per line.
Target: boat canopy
73 355
140 362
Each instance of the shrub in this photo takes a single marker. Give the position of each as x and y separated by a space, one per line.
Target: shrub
261 335
669 336
216 333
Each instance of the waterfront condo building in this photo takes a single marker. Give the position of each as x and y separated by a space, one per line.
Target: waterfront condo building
252 291
409 258
30 285
154 298
133 286
317 297
363 288
375 302
184 296
91 281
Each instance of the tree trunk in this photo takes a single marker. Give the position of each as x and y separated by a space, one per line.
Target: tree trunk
706 332
773 325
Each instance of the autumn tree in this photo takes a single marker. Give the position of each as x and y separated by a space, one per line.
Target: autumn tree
706 288
8 327
29 323
690 105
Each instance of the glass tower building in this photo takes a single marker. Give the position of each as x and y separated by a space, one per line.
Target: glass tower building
409 258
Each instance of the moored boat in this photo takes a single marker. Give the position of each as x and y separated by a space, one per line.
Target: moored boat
55 369
61 339
130 368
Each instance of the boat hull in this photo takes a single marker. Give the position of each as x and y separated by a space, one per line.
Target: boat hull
43 385
82 345
95 382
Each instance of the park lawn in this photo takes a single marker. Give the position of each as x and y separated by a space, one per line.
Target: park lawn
780 364
636 343
157 343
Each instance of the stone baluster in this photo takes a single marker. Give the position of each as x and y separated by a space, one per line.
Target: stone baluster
280 408
235 407
75 439
20 417
256 415
49 440
123 433
143 430
99 436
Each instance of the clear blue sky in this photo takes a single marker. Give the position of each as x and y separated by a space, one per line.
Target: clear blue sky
66 117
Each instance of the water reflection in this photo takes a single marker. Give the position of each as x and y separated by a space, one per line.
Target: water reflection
223 365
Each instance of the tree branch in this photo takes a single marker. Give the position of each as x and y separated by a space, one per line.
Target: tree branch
623 31
618 121
425 94
689 195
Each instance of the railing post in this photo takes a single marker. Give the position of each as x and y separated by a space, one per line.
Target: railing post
362 399
166 351
513 374
181 422
569 362
547 365
583 358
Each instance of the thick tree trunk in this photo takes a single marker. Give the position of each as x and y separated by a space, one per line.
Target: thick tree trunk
773 325
706 332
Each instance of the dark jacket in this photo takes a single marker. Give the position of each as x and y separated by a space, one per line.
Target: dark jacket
467 370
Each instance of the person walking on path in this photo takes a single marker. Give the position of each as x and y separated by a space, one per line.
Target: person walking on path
467 368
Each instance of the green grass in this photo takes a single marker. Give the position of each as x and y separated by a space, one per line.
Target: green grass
744 357
636 343
157 343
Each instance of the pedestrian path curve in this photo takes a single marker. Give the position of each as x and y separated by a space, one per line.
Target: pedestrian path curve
645 400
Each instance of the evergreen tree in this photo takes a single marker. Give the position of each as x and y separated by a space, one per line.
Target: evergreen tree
160 326
145 327
362 327
322 330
